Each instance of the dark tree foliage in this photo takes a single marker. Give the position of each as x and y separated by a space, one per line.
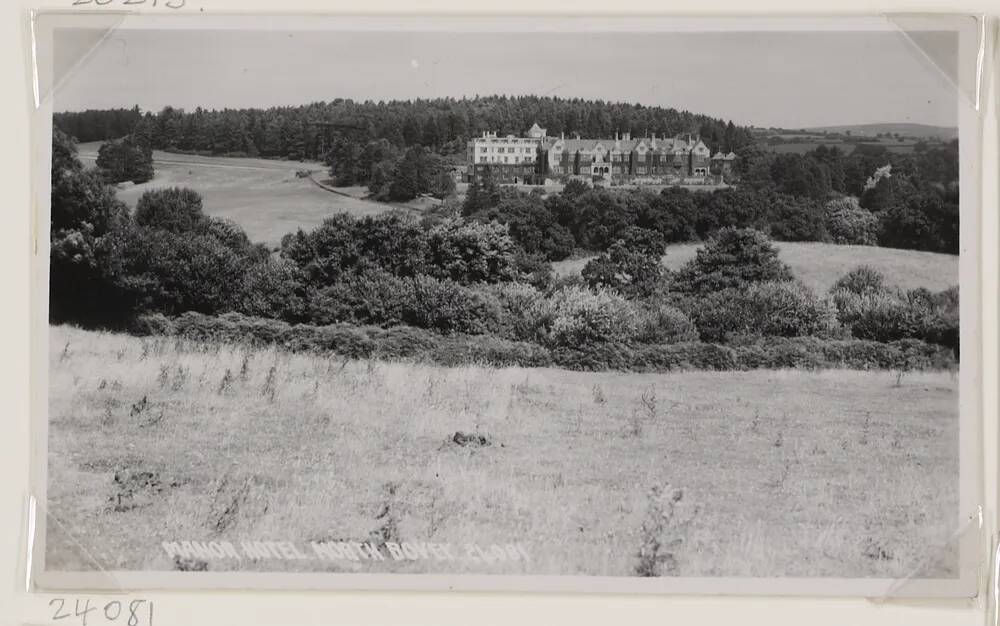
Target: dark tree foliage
733 259
635 271
798 175
125 160
176 209
416 173
483 192
85 214
97 125
167 272
455 250
442 124
531 225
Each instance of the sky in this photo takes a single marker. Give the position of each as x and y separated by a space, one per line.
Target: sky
782 79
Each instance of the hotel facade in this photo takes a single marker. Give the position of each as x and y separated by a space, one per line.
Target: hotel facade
536 158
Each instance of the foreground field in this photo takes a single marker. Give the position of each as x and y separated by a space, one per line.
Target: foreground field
793 473
819 265
263 196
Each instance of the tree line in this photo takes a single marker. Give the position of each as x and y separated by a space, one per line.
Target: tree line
442 125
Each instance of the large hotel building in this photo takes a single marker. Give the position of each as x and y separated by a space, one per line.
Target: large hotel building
536 157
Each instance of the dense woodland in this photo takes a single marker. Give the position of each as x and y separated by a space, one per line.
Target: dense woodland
441 125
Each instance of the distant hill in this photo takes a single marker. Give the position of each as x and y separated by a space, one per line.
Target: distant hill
944 133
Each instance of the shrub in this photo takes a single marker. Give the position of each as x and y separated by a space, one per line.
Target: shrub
732 260
594 357
402 342
848 223
272 288
471 252
524 311
373 297
784 309
487 350
206 328
863 279
345 340
175 209
812 352
582 317
448 307
662 323
170 273
685 356
256 330
631 271
147 324
892 314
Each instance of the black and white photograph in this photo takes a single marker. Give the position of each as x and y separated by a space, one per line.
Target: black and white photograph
658 305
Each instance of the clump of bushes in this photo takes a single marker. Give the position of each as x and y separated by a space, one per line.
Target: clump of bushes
848 223
659 323
579 316
872 310
780 309
736 257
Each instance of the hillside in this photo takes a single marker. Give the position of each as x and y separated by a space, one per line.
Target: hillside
264 196
945 133
819 265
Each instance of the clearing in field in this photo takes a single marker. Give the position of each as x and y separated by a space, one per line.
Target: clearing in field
263 196
780 473
819 265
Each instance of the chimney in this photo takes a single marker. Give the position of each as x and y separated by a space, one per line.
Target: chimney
562 135
616 135
627 136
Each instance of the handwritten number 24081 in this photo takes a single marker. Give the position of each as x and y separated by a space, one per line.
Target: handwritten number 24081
170 4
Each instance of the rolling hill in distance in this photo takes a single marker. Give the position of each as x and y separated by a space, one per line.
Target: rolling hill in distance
944 133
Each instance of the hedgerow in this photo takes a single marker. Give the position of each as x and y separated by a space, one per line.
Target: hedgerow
408 343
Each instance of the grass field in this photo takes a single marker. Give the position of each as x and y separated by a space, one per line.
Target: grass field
819 265
831 473
263 196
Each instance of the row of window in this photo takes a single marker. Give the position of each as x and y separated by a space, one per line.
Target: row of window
496 159
510 150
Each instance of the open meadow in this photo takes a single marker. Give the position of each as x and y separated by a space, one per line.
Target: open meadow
761 473
263 196
819 265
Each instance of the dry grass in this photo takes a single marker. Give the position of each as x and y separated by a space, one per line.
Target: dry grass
763 473
263 196
819 265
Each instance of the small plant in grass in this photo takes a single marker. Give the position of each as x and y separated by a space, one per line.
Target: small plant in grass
139 407
598 393
866 429
648 400
227 381
181 376
269 384
65 353
245 368
164 376
635 424
662 533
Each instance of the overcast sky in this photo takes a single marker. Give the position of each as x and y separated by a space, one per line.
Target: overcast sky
790 80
